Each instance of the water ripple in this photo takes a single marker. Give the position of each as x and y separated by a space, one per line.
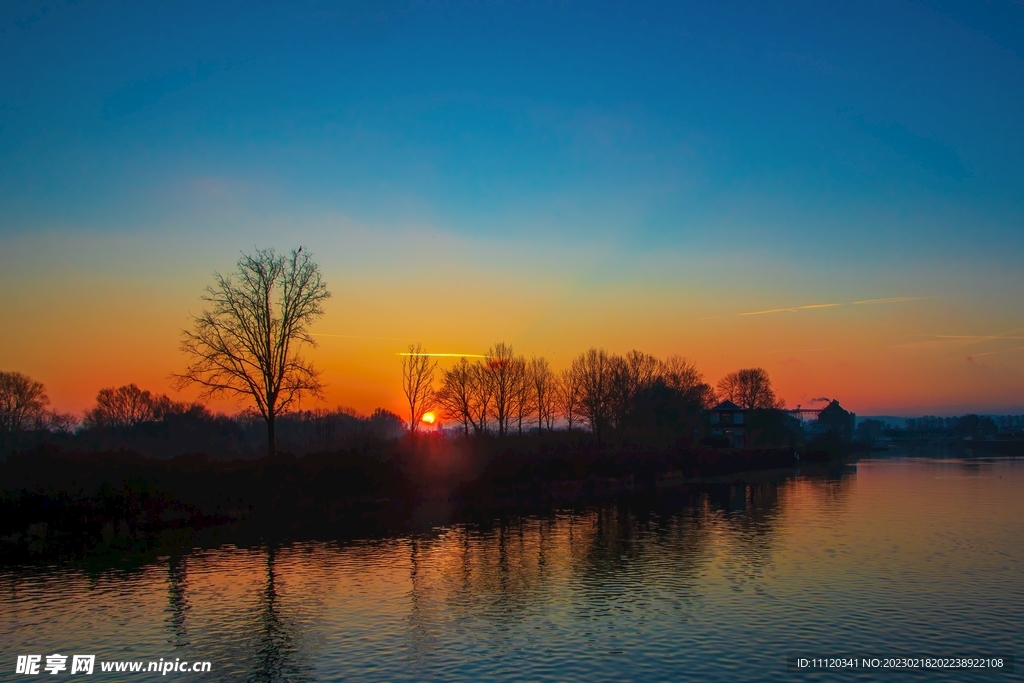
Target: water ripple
904 556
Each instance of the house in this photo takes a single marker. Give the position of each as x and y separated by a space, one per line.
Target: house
760 428
836 422
729 422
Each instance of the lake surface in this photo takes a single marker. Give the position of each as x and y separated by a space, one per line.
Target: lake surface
895 556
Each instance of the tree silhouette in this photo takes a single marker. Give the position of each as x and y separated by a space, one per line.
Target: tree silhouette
750 388
247 343
568 396
524 405
128 406
418 384
629 376
593 371
23 402
683 376
504 372
482 388
544 386
455 397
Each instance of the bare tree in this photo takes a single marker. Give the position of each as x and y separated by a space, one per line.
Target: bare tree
247 343
629 376
503 371
482 388
23 402
62 423
750 388
593 370
524 406
569 396
544 385
121 408
418 384
456 394
683 376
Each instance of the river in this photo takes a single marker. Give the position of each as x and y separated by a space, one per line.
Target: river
894 556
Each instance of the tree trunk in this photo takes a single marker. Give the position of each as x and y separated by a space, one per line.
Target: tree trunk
271 448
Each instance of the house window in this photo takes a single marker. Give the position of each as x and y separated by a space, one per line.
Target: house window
714 418
738 418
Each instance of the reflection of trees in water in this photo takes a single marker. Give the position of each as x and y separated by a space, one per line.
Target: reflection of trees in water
487 582
636 561
641 562
745 519
748 519
832 490
274 640
463 578
524 569
177 600
420 614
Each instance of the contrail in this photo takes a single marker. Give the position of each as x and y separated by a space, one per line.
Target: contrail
444 355
979 337
893 300
793 309
989 353
804 350
355 336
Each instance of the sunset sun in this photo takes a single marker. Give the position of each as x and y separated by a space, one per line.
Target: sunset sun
428 418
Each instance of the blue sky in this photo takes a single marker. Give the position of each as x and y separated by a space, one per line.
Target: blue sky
806 151
671 118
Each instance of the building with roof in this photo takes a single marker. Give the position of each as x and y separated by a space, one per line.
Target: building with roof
729 424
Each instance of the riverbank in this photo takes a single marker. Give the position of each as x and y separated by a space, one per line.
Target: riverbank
56 505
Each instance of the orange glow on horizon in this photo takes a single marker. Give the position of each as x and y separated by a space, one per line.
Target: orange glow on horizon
106 321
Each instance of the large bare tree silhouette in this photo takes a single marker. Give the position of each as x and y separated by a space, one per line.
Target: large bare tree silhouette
247 342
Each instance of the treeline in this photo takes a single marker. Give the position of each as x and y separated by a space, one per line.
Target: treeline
599 391
132 418
971 426
503 393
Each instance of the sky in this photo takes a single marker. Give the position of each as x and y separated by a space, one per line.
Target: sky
680 178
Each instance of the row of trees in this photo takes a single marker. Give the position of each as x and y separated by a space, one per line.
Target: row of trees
154 424
247 344
505 392
24 407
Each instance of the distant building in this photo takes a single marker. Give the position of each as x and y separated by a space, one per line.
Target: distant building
731 426
834 421
729 422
